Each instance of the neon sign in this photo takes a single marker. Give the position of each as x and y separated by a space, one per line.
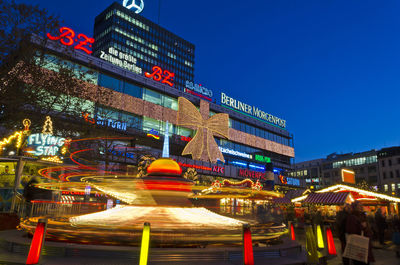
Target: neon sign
262 158
153 133
251 174
234 152
45 144
239 106
217 169
121 59
105 122
139 7
165 77
67 37
195 89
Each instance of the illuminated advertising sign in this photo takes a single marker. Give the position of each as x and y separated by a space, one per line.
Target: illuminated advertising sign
121 154
198 90
153 133
253 111
348 176
165 77
121 59
216 169
251 174
186 138
234 152
261 158
136 5
119 125
293 181
45 144
67 38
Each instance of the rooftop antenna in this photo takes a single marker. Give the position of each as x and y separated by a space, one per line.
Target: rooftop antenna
165 152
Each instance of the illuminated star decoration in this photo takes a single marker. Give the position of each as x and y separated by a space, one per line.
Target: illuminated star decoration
203 145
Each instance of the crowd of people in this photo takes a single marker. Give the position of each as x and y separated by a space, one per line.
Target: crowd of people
352 219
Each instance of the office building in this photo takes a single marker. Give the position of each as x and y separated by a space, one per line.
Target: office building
137 44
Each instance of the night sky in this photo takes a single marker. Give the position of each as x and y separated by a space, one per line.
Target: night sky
330 68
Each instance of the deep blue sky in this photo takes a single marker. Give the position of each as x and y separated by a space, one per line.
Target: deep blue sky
330 68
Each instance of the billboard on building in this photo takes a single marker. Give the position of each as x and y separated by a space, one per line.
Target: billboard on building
348 176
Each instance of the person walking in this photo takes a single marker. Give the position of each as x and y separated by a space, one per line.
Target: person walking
381 225
341 219
356 223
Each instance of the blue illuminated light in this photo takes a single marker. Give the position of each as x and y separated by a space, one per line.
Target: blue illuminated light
239 163
257 167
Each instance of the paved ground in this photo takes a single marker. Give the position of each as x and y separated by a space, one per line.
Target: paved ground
384 255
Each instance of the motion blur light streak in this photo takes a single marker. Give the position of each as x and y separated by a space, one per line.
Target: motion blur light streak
161 217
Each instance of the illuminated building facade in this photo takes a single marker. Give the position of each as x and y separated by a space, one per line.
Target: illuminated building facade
140 107
138 44
389 170
327 171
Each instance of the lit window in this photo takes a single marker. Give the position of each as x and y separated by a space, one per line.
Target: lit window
385 187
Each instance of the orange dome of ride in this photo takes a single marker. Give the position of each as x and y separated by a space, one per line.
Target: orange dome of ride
164 166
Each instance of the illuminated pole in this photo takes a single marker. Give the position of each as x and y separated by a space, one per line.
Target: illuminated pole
37 242
144 248
248 258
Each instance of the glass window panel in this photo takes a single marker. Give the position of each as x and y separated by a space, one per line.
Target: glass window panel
133 90
152 96
170 102
110 82
151 124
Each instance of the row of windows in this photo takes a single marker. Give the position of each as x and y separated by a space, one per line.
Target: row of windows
169 43
131 20
241 126
389 162
184 72
356 161
393 186
299 173
391 174
143 26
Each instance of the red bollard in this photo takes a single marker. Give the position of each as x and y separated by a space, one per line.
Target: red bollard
292 234
331 243
248 258
37 242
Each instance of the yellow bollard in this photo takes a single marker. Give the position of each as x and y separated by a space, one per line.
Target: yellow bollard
144 248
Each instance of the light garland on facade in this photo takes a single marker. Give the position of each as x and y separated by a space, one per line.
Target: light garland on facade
54 159
341 187
17 135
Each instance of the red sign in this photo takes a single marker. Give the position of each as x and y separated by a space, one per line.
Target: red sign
165 77
186 138
251 174
217 169
67 37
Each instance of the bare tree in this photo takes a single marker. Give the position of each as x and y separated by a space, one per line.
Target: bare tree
35 83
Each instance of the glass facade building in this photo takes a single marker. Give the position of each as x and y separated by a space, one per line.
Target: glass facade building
143 43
